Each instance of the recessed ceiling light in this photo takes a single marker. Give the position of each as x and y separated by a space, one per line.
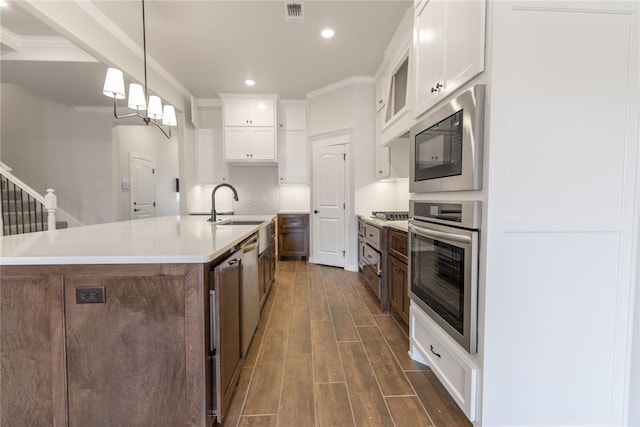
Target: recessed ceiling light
4 3
249 82
327 33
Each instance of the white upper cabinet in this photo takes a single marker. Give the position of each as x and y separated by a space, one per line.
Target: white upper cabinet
249 111
394 82
292 115
293 153
293 158
210 167
246 144
249 127
448 48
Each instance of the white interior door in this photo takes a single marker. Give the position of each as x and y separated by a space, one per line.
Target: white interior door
142 186
328 205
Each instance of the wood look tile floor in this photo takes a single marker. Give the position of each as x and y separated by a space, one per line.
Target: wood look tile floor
324 355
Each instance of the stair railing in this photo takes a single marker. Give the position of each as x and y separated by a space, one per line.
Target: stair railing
16 191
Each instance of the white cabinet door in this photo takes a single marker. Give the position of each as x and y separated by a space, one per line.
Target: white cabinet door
262 112
236 112
249 112
293 158
262 143
236 144
381 89
448 49
382 153
292 115
210 167
429 54
464 43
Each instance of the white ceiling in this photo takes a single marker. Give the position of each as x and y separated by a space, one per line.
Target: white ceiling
213 46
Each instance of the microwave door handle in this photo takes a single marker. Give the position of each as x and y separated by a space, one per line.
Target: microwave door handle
440 235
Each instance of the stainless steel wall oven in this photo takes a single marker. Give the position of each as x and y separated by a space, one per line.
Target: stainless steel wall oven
443 265
446 152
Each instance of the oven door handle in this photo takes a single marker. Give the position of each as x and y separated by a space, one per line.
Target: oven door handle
440 235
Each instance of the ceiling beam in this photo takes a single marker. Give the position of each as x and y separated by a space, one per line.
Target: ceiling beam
84 24
39 48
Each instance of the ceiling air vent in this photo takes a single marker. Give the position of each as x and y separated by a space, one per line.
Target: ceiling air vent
293 12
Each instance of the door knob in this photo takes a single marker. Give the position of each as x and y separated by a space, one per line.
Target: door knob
316 211
136 210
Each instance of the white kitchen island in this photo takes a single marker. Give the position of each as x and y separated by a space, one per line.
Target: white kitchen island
140 355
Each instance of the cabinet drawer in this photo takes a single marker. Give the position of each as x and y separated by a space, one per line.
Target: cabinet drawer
372 234
399 244
293 221
457 374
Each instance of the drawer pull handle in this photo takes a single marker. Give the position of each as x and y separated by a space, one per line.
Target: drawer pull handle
440 357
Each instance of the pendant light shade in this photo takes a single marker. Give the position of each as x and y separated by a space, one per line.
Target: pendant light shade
114 84
169 116
136 97
155 107
114 88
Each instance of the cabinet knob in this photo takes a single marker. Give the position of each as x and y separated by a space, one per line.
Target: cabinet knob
281 179
379 171
433 89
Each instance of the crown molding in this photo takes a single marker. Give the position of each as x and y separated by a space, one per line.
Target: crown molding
339 85
9 40
42 48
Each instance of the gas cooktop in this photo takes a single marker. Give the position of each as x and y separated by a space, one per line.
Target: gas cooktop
391 215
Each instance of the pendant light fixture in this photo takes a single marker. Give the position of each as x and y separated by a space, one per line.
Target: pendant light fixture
151 112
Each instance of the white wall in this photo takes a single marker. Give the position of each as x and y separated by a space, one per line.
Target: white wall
352 106
147 141
295 198
51 145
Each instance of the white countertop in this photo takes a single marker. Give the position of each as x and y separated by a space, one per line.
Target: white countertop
171 239
398 225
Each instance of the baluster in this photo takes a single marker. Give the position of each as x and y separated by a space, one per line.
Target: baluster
22 210
29 210
15 208
51 203
41 216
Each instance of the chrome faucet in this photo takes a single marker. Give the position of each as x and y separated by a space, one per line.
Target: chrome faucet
213 198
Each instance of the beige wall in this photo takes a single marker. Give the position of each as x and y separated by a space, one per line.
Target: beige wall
52 145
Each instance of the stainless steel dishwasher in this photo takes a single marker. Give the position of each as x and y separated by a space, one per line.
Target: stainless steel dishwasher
250 291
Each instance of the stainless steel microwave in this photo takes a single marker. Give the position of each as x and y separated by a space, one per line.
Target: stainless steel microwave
447 144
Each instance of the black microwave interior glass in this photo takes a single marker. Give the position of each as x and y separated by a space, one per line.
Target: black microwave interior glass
437 278
439 149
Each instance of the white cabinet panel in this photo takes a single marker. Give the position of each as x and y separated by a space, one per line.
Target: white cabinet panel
464 47
292 115
428 53
249 144
210 167
293 160
236 112
448 48
262 143
262 112
236 144
243 111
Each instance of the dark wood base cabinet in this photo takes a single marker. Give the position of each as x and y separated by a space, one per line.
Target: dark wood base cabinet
398 274
267 265
293 235
137 358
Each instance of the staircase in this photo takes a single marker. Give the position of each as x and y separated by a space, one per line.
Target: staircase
22 209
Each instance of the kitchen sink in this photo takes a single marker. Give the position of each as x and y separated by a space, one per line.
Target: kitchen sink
240 222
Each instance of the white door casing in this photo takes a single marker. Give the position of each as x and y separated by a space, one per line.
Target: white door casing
328 205
142 170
